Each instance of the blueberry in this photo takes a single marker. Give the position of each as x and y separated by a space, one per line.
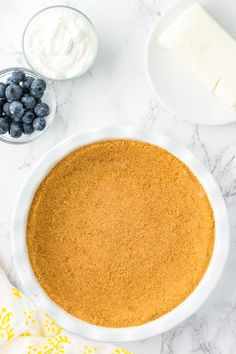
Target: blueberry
25 91
2 101
36 94
17 76
7 118
28 101
27 82
1 110
28 117
38 87
8 81
13 92
39 123
6 108
4 126
16 109
41 109
38 84
15 130
2 89
28 129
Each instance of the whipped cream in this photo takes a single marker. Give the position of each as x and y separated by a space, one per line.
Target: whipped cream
60 43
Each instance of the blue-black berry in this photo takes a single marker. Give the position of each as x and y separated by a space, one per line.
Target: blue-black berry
28 117
28 101
17 76
28 129
4 126
38 87
27 82
7 118
13 92
2 101
15 130
16 109
39 123
6 108
8 81
2 89
25 91
41 110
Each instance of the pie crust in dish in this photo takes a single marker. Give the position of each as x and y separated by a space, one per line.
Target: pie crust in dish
119 233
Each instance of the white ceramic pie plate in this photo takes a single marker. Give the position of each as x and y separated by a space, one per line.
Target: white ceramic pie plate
29 283
175 85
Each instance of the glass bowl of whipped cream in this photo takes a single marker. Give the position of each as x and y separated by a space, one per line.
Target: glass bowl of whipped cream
60 43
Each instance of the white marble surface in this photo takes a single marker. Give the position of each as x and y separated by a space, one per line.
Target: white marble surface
116 92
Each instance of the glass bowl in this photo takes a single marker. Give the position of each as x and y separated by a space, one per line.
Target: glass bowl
48 98
27 56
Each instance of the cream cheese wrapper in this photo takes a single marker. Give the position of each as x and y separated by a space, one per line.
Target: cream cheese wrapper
206 48
25 329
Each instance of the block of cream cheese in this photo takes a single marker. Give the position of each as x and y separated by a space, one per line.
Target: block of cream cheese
206 48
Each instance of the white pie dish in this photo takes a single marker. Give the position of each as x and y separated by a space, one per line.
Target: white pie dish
31 286
175 85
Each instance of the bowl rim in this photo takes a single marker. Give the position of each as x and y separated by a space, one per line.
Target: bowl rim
49 8
215 268
50 118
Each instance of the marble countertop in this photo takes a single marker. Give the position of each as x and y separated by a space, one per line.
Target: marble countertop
116 92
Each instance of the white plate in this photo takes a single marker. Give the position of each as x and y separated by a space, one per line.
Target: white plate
177 88
30 284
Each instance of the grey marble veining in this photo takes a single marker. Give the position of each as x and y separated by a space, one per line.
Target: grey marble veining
116 92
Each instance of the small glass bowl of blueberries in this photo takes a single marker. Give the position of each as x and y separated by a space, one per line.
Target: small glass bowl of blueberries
27 105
